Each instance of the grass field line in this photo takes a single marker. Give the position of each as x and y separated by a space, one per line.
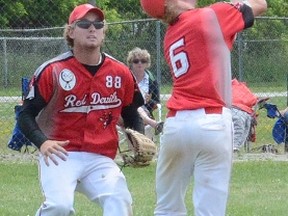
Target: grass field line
10 99
17 157
258 94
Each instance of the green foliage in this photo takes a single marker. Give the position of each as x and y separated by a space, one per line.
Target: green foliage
14 9
277 8
126 10
37 13
43 13
203 3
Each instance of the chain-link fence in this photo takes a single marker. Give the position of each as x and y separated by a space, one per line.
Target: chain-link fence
259 58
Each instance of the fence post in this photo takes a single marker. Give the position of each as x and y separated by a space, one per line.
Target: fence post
158 52
286 124
240 57
5 65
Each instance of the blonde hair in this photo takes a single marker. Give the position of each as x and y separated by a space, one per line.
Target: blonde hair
69 41
68 28
138 53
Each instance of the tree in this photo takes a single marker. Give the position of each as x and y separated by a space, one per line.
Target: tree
54 13
35 13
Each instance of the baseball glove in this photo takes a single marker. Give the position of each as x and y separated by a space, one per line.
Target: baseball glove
140 150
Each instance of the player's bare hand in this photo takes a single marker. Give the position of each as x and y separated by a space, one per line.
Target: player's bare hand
147 97
52 149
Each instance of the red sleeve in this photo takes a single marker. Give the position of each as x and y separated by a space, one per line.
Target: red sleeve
233 19
44 83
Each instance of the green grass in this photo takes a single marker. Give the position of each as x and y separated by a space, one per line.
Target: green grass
10 91
258 188
7 122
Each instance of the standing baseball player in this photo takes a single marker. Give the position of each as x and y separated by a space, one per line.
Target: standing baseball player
197 135
243 114
70 114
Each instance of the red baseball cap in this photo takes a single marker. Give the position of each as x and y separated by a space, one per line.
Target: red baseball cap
81 10
154 8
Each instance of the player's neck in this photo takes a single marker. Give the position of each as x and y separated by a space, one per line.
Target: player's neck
175 8
88 58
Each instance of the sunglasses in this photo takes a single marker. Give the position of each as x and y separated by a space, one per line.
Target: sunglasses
136 61
85 24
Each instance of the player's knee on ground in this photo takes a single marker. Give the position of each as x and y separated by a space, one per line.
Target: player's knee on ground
60 208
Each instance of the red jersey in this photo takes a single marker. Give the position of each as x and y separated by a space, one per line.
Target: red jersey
242 97
197 48
81 107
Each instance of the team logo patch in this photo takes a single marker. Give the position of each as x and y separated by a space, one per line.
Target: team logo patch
67 80
106 119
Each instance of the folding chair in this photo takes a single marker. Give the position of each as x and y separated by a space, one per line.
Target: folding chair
280 128
18 139
252 133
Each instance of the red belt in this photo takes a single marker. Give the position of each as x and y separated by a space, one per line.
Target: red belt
208 110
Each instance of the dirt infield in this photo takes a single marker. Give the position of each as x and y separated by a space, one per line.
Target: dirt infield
19 157
237 157
259 157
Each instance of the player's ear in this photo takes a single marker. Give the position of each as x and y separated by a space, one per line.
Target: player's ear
70 31
105 29
67 35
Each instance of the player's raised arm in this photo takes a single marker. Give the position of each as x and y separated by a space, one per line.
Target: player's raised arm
258 6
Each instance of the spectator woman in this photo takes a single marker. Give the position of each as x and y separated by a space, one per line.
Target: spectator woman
139 60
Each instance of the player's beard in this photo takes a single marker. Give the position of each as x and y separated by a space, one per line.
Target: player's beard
91 44
96 42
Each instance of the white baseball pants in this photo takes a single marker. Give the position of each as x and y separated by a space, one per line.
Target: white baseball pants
96 176
199 145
